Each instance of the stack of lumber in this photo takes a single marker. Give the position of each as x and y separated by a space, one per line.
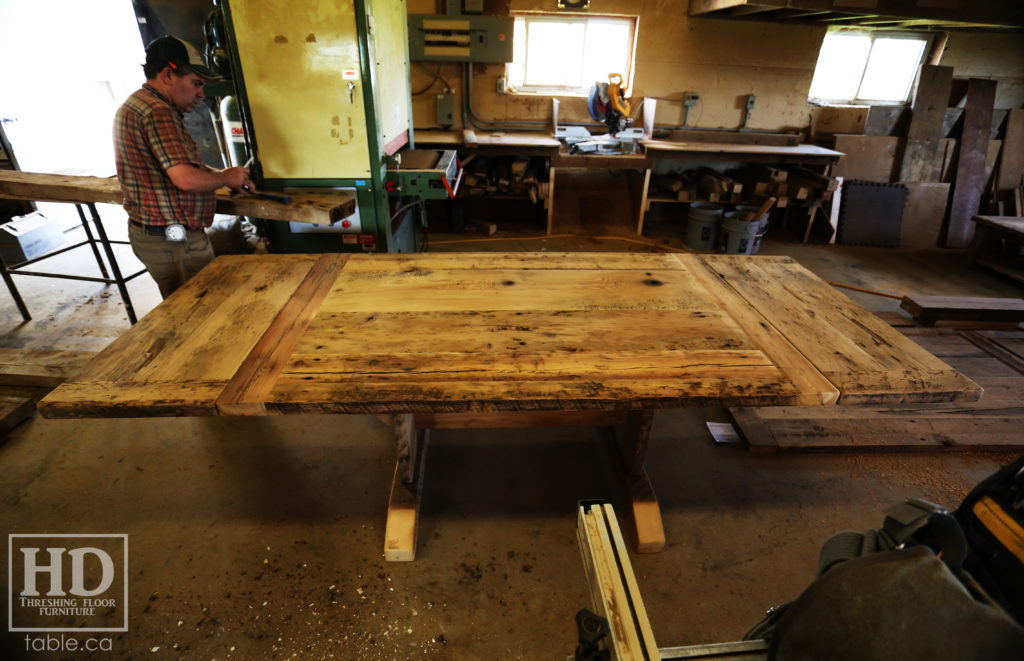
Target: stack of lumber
761 182
506 176
717 187
752 184
955 162
807 185
679 186
700 184
788 185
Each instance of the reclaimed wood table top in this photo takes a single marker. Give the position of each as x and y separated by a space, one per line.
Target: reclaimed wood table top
470 332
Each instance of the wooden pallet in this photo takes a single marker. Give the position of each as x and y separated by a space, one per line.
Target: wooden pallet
993 359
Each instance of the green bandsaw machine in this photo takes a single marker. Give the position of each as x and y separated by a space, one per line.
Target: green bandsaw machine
324 103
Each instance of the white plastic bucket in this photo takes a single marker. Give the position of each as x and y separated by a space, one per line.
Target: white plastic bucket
756 245
739 234
745 210
702 221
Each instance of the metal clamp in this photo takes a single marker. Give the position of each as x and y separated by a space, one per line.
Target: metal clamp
592 629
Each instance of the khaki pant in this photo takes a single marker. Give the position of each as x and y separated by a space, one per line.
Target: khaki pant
171 263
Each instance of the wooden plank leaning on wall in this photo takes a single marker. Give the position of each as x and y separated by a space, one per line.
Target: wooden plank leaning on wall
970 170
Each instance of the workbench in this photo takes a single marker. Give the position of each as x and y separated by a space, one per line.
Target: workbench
640 165
85 192
493 340
315 208
991 229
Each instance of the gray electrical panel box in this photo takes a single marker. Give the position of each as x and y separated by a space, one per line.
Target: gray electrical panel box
445 109
462 38
467 6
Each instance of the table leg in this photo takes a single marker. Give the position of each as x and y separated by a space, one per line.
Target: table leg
118 278
811 213
977 243
406 487
92 241
631 440
9 281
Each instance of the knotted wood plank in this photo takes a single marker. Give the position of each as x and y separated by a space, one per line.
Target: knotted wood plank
178 359
865 358
316 208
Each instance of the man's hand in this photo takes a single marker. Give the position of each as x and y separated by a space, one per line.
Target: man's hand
196 180
238 179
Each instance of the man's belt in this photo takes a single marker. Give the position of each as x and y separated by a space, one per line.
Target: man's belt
154 230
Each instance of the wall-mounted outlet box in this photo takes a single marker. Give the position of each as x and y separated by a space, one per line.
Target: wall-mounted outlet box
690 99
445 109
499 86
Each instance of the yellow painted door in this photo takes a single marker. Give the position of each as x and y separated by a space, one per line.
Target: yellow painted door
303 81
391 43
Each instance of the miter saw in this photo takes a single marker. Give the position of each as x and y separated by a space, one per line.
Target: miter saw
607 103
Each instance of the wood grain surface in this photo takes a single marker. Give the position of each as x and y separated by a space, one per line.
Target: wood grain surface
40 367
994 358
861 355
179 358
305 207
464 332
971 175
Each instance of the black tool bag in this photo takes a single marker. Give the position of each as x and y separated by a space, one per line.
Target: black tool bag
927 585
992 518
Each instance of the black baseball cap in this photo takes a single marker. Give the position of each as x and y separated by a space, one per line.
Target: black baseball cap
174 52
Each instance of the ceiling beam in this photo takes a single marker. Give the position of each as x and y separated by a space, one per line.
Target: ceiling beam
1007 13
999 13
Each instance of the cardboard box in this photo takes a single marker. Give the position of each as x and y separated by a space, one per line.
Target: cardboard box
29 236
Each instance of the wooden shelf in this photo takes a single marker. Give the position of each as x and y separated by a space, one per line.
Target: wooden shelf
492 197
579 171
792 155
662 199
1004 265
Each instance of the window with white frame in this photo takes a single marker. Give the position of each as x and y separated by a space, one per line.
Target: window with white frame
867 67
565 54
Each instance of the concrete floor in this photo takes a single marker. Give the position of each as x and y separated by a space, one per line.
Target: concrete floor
263 538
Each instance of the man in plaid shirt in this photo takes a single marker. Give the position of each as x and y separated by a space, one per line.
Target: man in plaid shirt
169 193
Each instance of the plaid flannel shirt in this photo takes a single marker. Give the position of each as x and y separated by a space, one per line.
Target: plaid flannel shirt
149 138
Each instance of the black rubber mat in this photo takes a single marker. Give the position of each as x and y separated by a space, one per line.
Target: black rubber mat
870 214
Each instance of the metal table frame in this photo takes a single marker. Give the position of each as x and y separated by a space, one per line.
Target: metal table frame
120 280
